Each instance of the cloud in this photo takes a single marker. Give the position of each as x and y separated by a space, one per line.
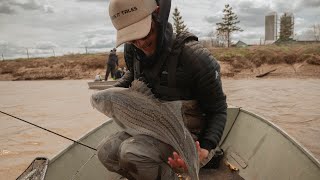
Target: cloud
99 38
3 46
198 32
307 35
41 49
95 43
14 6
93 0
9 50
48 9
309 3
6 9
41 52
45 45
249 35
98 32
27 4
249 14
212 19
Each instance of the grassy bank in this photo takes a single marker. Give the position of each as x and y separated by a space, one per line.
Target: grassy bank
255 56
235 62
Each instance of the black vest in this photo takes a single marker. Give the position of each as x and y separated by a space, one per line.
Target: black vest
161 76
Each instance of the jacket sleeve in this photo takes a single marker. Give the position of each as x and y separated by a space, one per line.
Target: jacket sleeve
128 77
125 81
207 89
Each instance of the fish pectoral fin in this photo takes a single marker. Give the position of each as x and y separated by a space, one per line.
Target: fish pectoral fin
174 106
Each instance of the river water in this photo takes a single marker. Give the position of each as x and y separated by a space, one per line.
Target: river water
64 107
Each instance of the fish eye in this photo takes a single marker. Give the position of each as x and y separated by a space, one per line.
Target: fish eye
94 98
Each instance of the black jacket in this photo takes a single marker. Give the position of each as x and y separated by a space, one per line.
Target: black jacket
113 59
197 76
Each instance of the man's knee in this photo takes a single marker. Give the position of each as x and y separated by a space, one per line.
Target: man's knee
144 158
138 150
108 150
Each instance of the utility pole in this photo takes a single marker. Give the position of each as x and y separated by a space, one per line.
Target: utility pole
54 54
86 50
260 41
27 53
2 57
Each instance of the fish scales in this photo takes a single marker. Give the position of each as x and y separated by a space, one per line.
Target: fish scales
139 112
142 115
136 114
154 125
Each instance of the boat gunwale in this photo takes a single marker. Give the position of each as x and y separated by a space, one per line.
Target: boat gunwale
261 118
87 134
286 135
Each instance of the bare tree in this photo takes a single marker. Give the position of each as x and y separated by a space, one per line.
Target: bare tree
54 54
228 24
3 47
217 39
27 53
213 38
316 31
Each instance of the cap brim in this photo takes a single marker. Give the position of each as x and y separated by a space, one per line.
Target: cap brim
135 31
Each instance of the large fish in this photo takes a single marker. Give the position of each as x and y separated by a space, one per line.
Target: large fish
137 111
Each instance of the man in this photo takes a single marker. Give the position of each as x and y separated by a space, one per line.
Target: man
175 67
112 63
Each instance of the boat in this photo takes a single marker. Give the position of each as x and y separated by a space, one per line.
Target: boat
254 149
100 85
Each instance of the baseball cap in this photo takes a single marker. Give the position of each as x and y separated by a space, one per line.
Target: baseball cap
131 18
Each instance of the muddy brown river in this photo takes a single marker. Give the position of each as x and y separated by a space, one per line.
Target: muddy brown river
64 107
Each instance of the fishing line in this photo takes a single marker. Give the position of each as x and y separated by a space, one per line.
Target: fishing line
49 131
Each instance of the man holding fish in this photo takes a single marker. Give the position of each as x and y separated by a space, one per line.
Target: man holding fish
183 77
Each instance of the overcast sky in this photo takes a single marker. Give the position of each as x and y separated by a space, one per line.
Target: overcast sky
45 27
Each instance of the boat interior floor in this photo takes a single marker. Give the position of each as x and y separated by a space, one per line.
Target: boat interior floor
222 173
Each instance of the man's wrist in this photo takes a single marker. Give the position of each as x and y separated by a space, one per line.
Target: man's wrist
206 144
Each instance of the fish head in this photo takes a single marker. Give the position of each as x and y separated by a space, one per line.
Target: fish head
103 100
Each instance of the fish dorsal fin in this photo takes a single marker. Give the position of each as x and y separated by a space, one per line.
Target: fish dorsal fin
141 87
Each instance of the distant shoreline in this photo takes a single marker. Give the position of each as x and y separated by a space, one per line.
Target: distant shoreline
293 61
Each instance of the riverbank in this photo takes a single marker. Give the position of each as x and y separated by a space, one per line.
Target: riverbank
293 61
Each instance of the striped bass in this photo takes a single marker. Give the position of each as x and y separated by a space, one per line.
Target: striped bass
137 111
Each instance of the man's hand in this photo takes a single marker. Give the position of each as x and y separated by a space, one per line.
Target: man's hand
177 163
